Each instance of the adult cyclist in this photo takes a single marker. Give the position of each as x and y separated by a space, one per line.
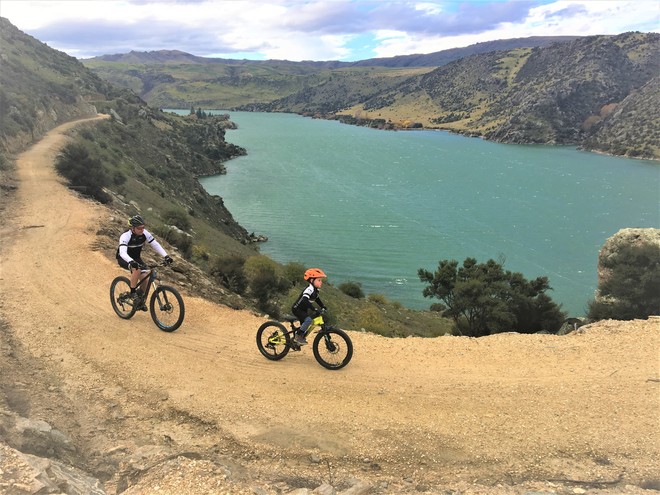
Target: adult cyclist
130 247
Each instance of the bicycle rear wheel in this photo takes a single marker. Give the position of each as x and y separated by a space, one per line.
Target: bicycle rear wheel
333 348
273 340
120 298
166 308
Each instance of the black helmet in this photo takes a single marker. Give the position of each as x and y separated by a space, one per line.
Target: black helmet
136 221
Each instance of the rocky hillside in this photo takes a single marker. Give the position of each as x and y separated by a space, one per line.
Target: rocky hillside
151 159
566 93
625 128
40 88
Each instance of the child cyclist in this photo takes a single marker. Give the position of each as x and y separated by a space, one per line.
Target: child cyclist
303 307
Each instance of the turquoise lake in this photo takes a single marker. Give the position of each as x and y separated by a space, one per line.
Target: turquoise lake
375 206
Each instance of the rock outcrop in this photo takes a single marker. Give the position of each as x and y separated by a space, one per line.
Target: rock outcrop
607 257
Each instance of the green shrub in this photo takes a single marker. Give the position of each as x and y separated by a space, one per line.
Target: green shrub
229 272
265 281
379 299
483 298
201 252
181 240
371 320
293 272
84 173
437 307
177 217
118 178
352 289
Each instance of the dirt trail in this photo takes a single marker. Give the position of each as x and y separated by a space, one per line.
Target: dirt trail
506 409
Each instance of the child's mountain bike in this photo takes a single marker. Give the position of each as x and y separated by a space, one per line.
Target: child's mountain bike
332 347
166 304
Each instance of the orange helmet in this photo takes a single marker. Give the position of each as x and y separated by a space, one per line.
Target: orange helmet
313 273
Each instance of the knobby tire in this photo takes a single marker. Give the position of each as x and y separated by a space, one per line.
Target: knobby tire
273 340
123 306
333 348
166 308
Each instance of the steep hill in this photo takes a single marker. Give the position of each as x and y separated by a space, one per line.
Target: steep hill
150 159
40 88
550 95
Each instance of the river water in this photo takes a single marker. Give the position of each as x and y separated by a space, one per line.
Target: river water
375 206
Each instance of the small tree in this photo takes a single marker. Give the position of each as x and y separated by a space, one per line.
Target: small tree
483 299
632 289
177 217
293 272
352 289
228 270
84 173
265 281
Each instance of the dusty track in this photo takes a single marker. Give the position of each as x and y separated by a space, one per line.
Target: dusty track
509 409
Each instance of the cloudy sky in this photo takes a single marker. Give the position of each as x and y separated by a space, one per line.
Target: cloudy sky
296 30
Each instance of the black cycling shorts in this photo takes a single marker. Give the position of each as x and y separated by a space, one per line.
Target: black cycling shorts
122 262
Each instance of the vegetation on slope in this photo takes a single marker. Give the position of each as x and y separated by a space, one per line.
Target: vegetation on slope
551 95
39 88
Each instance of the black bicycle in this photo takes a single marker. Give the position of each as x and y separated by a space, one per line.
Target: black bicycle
332 346
166 304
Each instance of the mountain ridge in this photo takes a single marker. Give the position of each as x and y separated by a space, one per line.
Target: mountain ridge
532 90
432 59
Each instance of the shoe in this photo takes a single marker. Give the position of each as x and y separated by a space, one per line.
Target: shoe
299 339
143 308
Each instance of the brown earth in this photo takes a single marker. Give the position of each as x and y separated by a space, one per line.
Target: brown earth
200 411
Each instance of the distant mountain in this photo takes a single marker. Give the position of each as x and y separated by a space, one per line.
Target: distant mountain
174 57
551 90
435 59
444 57
174 79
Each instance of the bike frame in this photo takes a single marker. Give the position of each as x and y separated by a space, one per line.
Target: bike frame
152 275
318 324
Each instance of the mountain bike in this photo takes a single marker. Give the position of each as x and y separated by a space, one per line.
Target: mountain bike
166 304
332 346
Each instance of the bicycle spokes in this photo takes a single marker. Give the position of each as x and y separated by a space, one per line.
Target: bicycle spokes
330 346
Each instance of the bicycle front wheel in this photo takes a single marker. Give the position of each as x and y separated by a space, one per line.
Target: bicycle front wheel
333 348
166 308
273 340
120 298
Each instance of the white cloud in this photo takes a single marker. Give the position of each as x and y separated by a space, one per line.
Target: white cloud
561 18
313 29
